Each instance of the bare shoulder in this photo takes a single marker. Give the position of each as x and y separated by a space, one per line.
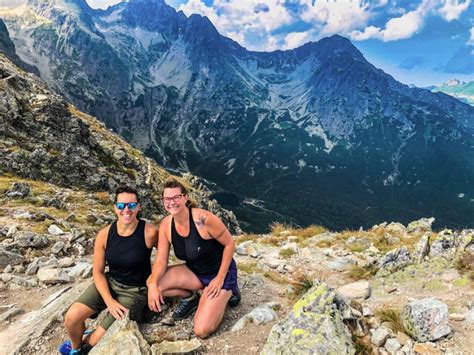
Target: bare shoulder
165 225
101 238
203 217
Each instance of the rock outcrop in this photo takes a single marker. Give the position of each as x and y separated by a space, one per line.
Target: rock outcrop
426 319
313 326
47 139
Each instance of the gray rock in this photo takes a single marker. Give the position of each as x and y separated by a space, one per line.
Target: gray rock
9 258
80 270
392 345
8 269
426 319
444 245
177 347
19 190
52 276
380 336
394 260
55 230
33 267
340 263
313 326
359 290
10 313
259 315
469 316
396 229
422 248
57 247
66 262
248 248
33 325
420 226
30 239
12 231
123 337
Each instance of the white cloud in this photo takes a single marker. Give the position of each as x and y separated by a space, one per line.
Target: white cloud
398 28
236 18
452 9
296 39
339 17
470 42
102 4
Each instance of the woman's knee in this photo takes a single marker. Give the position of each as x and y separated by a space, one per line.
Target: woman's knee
72 317
75 315
203 328
202 331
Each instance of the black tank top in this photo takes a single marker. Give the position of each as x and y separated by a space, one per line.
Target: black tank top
128 257
202 256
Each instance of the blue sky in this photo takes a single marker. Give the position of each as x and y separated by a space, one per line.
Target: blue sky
423 42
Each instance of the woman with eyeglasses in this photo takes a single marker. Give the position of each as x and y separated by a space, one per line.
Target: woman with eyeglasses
125 246
204 243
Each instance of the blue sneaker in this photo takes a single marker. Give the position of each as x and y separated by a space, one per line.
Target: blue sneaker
66 347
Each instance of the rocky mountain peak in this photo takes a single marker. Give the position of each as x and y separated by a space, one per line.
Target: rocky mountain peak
8 48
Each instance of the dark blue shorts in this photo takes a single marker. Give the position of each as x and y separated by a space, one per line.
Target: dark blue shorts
230 281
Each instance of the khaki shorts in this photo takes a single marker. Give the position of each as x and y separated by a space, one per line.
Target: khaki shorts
133 297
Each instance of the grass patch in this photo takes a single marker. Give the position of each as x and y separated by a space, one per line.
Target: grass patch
302 234
362 346
276 277
362 272
245 238
392 317
465 264
302 284
248 268
286 253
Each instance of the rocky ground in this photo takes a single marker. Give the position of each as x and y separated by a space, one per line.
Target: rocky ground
391 289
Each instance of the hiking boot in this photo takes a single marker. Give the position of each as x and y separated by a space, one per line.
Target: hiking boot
186 306
234 300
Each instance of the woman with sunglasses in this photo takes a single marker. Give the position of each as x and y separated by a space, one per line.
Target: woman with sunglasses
125 246
204 243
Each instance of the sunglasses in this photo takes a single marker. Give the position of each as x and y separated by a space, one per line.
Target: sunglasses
131 205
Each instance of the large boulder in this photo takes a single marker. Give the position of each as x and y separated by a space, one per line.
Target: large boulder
359 290
30 328
313 326
9 258
19 190
426 319
32 240
422 248
444 245
394 260
422 225
123 337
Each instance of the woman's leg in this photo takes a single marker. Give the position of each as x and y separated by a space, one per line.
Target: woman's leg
74 322
210 313
179 280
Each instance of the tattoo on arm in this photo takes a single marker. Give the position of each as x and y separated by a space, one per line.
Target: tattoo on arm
201 222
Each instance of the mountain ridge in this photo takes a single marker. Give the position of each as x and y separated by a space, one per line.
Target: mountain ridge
264 124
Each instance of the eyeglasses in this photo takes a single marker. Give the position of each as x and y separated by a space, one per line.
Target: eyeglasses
175 198
131 205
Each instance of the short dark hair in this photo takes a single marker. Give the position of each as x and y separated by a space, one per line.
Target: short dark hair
127 189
